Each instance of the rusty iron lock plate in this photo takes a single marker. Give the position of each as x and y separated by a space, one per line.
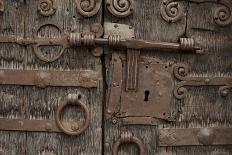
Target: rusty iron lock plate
151 100
154 93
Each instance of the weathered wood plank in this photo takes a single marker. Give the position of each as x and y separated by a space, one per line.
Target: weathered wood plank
203 107
11 57
149 25
42 103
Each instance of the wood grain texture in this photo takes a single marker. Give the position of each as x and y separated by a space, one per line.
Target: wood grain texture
42 103
21 18
11 57
203 107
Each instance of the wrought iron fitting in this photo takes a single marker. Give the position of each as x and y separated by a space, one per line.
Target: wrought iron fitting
88 8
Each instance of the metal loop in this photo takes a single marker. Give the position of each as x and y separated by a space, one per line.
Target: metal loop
129 139
187 44
114 40
73 100
36 46
75 39
88 39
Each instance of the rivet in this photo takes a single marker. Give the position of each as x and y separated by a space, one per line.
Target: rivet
224 93
48 126
207 80
181 90
115 84
21 123
181 71
109 111
206 136
75 127
114 121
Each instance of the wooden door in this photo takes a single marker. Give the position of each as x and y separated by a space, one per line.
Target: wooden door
112 77
35 85
196 89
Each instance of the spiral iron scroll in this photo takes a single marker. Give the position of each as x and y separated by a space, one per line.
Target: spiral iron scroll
181 72
223 14
171 11
120 8
46 7
88 8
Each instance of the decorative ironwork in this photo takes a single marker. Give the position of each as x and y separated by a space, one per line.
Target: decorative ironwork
120 8
73 99
40 78
225 90
195 136
128 138
46 7
171 11
28 125
88 8
49 42
181 72
223 14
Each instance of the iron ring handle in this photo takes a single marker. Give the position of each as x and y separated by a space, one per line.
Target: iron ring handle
87 115
50 42
129 139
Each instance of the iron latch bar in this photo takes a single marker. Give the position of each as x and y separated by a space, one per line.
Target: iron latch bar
186 44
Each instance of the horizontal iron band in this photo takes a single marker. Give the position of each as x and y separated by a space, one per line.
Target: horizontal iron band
81 78
28 125
195 136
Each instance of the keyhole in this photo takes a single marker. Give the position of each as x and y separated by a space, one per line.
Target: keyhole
147 92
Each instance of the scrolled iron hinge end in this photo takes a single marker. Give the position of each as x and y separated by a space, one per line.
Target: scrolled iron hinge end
46 7
88 8
124 9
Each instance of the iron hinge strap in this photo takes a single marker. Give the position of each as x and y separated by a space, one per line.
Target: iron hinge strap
195 136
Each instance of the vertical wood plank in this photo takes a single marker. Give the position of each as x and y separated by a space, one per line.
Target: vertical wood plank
12 57
42 103
203 107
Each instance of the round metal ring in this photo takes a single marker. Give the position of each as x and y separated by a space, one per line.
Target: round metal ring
86 113
129 139
36 46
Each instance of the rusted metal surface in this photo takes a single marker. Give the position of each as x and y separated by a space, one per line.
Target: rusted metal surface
92 40
181 73
120 8
40 78
128 138
28 125
123 30
88 8
73 99
225 90
139 121
132 69
172 11
46 7
56 125
116 86
154 93
152 98
195 136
